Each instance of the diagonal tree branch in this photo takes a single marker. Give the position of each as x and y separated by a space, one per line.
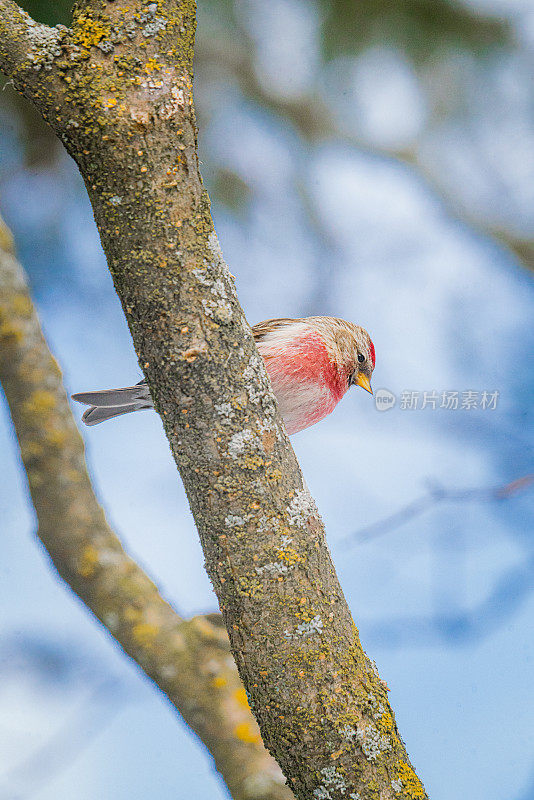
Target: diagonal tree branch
128 121
189 660
28 55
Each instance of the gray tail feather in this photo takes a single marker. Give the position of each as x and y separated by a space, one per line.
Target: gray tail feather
97 414
110 403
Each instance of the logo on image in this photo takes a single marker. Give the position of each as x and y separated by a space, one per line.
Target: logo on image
384 399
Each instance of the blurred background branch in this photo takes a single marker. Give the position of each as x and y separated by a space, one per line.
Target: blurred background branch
445 58
437 494
427 38
189 660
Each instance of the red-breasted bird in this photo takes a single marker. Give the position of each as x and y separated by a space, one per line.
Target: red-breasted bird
311 362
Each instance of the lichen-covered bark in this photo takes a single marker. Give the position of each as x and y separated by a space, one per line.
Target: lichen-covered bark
27 53
127 118
189 660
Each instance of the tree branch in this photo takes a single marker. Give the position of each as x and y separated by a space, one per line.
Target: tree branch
28 56
437 494
190 660
321 707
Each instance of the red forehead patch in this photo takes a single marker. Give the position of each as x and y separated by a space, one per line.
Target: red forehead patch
372 352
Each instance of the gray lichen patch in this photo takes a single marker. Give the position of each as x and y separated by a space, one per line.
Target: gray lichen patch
347 732
305 629
45 43
372 742
234 521
254 389
274 568
301 508
226 411
253 375
173 106
266 525
152 24
239 441
154 27
332 781
247 447
377 707
106 46
219 310
214 249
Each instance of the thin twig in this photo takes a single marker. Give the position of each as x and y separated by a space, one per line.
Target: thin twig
435 495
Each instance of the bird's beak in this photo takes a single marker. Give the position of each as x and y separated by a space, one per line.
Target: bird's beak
364 382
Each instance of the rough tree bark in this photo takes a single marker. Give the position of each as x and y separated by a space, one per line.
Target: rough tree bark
189 660
116 88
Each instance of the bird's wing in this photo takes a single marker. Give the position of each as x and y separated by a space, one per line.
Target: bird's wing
261 329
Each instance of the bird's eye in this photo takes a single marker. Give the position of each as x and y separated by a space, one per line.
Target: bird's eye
361 358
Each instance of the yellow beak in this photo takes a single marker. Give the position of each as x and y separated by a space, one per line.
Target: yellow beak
364 382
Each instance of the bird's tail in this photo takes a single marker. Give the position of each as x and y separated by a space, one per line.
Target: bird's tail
110 403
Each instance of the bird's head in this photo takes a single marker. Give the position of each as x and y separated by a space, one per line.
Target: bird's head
351 348
360 363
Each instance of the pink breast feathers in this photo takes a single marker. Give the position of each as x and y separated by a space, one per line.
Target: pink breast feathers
307 384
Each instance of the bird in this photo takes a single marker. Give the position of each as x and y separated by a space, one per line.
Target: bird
311 361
